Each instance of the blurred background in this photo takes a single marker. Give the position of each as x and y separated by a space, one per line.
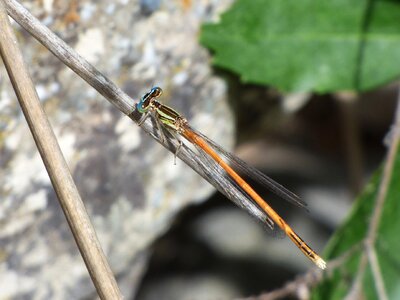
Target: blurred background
166 232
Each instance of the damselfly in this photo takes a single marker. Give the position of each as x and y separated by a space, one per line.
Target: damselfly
177 125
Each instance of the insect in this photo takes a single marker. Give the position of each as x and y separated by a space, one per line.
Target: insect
178 126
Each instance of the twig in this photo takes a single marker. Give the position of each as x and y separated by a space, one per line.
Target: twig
69 56
355 289
123 102
377 274
307 280
56 166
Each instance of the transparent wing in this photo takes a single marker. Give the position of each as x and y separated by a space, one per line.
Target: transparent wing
234 192
255 174
218 177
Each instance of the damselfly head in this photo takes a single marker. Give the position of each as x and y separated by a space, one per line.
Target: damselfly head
147 99
155 92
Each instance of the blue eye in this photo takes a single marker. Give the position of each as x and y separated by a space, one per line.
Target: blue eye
156 92
147 99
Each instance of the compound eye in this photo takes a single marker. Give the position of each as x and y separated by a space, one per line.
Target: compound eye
156 92
145 100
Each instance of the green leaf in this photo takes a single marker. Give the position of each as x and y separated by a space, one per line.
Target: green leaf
339 281
309 45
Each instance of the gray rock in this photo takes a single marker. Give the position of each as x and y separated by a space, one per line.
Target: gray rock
129 183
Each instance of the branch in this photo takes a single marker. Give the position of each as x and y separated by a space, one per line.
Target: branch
302 284
54 161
